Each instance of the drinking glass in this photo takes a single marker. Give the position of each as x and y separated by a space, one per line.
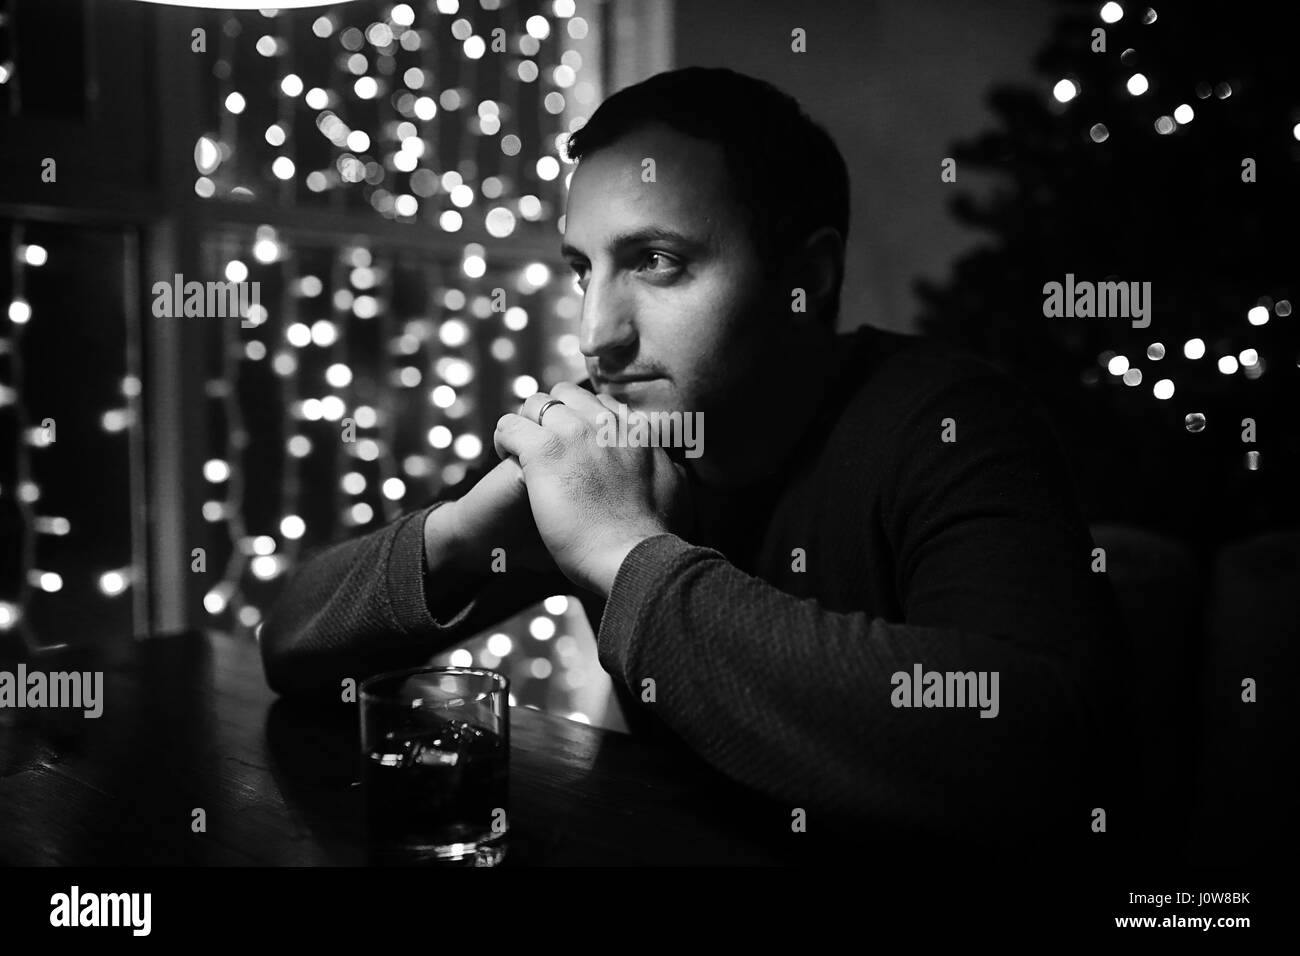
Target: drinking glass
435 753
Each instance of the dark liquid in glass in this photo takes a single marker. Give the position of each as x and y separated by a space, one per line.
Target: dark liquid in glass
436 793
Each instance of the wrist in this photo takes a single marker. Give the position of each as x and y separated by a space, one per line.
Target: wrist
613 556
444 539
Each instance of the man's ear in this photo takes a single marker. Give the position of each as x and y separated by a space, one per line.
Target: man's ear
817 267
823 255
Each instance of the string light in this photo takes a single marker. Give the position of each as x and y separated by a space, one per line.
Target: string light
246 4
1247 360
13 614
1064 91
35 436
387 127
343 340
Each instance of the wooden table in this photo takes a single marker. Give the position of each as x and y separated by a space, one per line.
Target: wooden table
188 723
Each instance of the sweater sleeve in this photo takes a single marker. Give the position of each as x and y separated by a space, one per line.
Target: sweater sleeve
801 702
363 606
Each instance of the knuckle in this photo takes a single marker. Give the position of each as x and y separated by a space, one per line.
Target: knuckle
553 445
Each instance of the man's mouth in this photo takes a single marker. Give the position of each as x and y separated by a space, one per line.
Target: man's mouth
619 381
625 379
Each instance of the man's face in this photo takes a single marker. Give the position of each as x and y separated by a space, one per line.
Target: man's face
678 309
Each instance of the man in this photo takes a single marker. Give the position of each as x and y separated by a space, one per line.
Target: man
869 597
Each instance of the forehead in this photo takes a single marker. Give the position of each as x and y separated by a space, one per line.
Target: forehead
690 191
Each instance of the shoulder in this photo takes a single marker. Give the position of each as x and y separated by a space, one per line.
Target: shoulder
902 387
949 436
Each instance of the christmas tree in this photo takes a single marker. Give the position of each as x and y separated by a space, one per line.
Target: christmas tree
1162 147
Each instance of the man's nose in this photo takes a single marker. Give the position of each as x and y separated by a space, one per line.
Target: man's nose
607 325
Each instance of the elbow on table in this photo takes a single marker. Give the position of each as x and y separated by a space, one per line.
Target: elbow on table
301 661
275 663
283 665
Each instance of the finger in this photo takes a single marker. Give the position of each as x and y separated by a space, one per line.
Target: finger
551 411
503 451
533 404
582 402
516 435
609 402
511 468
610 411
563 421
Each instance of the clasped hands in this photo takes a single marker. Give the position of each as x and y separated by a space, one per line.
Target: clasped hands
589 505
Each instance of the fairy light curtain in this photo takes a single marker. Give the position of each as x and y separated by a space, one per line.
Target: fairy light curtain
333 127
73 533
71 567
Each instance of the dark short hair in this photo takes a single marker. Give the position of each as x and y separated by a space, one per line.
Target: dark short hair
790 177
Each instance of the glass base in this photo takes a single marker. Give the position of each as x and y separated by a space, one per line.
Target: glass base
490 851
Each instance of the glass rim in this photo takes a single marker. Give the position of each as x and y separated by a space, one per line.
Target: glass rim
366 686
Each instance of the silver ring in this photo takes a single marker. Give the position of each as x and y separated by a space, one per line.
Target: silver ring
542 411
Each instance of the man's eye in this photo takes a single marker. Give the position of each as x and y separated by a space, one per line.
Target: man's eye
579 277
661 263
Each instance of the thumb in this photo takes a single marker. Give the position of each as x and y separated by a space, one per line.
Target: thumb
512 467
512 476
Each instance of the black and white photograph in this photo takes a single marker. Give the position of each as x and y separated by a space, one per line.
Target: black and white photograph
855 437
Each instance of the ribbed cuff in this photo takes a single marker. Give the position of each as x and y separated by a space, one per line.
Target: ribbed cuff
404 575
638 586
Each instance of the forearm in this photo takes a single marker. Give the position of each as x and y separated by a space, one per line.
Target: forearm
386 600
353 609
798 702
454 581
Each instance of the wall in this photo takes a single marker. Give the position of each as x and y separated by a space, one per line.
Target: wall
895 82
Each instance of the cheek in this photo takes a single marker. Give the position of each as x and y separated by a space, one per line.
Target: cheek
706 335
710 317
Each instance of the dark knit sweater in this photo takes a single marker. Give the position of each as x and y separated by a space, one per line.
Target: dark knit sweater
773 664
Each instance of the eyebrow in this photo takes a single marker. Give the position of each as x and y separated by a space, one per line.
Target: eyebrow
639 236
